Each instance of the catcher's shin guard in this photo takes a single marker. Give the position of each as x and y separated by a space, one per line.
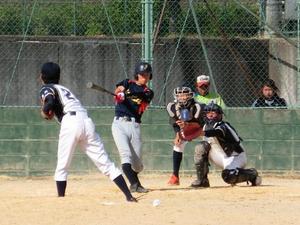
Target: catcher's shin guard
201 164
239 175
202 180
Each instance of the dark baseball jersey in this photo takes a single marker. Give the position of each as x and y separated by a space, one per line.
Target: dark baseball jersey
275 101
226 135
194 108
136 101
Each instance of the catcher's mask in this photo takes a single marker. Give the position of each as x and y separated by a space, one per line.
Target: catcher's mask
183 95
142 68
50 73
213 112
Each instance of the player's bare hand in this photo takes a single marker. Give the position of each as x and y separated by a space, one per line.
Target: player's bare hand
119 89
177 140
180 123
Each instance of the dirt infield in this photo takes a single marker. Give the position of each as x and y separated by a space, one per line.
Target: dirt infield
94 200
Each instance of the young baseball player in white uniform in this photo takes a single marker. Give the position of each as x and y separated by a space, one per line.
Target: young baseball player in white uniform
76 128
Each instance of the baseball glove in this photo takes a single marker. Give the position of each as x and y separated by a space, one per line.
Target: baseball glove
47 116
190 131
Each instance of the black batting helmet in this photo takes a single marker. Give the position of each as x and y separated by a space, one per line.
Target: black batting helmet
50 73
141 68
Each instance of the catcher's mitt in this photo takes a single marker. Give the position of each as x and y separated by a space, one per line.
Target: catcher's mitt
190 131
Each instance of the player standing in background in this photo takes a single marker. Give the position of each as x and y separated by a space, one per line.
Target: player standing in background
182 111
132 99
221 146
75 128
203 95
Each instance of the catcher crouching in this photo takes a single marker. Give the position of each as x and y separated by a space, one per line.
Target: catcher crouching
186 118
222 146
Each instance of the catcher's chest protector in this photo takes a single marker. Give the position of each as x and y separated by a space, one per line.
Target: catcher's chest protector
193 112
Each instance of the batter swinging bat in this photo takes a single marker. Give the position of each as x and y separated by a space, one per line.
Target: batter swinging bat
91 85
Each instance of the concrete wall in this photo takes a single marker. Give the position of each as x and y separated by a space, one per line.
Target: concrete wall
238 66
28 144
283 69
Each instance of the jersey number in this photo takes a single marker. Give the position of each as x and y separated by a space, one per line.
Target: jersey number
68 94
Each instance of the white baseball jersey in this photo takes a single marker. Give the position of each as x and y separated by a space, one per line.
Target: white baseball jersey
76 128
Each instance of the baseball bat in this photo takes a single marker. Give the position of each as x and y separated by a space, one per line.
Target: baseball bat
97 87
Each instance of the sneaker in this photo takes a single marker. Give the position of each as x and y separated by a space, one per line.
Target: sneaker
174 180
200 183
138 188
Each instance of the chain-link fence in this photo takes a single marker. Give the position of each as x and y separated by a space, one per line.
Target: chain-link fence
238 43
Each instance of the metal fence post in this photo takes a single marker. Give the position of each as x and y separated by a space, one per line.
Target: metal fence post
262 16
298 52
273 15
148 24
147 31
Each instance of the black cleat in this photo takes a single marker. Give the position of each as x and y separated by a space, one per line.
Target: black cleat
256 182
138 188
256 179
204 183
132 199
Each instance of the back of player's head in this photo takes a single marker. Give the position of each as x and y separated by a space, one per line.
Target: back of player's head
50 73
141 68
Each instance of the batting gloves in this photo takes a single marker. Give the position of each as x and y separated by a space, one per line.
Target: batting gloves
120 97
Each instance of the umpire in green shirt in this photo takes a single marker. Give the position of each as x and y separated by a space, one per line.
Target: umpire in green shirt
203 95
